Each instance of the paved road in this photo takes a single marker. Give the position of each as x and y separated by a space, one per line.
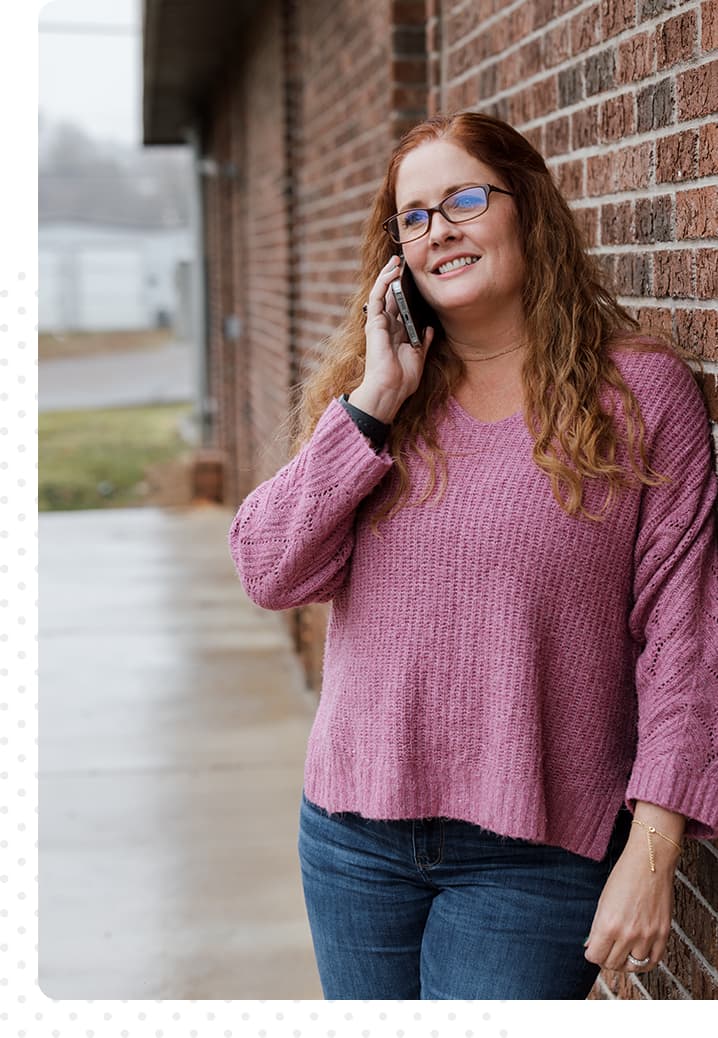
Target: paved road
173 727
164 374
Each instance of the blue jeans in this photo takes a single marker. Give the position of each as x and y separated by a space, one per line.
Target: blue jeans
442 909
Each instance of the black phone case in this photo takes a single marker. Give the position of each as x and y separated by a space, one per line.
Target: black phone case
415 312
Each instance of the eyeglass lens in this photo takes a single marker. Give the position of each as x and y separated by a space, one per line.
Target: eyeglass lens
462 205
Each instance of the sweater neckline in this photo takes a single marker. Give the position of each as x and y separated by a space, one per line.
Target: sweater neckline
469 419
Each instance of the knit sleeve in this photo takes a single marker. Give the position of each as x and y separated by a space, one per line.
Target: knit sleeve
674 617
292 537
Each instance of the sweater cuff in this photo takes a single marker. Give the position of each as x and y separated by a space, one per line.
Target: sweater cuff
668 784
345 456
376 431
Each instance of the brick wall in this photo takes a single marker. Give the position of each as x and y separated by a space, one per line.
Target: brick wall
363 84
620 96
227 382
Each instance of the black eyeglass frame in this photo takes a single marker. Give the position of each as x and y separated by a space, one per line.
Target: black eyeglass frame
430 210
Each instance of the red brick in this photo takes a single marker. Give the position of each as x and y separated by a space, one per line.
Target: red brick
702 922
587 221
557 136
530 58
409 12
545 96
409 70
556 44
507 71
569 177
706 261
460 23
585 29
433 36
597 992
520 22
633 166
709 22
607 266
697 213
584 127
521 107
500 35
698 91
617 15
709 385
632 275
535 137
698 864
543 11
636 58
409 99
617 223
488 86
676 157
697 331
661 986
672 274
708 150
676 40
655 320
600 173
654 219
618 117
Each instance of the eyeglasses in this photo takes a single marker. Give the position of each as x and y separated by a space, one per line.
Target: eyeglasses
469 202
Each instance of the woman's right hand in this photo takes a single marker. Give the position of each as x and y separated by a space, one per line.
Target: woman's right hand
393 367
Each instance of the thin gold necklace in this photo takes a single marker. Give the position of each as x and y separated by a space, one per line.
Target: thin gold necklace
492 355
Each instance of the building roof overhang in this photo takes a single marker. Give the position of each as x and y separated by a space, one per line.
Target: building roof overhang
185 46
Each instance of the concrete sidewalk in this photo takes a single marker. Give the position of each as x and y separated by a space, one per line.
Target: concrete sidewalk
173 726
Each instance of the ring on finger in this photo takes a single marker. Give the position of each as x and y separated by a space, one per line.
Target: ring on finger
637 962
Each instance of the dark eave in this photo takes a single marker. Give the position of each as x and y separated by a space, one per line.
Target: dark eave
186 44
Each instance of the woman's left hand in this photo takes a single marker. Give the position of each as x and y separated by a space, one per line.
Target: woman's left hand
634 911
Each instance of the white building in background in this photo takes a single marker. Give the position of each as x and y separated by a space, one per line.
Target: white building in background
109 278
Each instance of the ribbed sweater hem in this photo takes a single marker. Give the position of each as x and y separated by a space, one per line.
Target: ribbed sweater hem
585 831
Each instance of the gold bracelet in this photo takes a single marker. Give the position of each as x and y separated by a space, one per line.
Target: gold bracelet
650 831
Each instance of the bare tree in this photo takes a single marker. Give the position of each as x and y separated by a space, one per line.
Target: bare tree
80 178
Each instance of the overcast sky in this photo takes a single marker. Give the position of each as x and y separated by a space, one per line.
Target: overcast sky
88 78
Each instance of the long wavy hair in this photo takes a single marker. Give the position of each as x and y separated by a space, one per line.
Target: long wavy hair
572 320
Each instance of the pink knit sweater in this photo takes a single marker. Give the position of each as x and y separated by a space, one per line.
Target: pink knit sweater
489 657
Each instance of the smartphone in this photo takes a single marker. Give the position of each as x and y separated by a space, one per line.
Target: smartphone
415 312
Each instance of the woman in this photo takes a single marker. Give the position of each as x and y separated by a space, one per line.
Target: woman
515 524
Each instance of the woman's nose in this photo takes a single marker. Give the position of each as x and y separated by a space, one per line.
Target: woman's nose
441 229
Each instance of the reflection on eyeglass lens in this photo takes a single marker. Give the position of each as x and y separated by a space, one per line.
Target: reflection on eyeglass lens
462 205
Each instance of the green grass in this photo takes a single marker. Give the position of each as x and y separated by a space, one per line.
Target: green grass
97 459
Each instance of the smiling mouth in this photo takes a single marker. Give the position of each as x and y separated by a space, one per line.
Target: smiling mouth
455 264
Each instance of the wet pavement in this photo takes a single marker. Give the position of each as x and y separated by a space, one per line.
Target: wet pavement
173 726
164 374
